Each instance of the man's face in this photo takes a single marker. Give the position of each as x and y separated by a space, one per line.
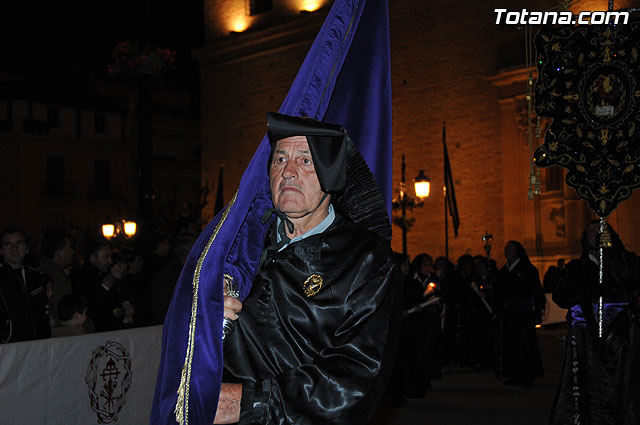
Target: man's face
426 267
102 259
510 252
592 235
295 189
163 248
14 248
64 256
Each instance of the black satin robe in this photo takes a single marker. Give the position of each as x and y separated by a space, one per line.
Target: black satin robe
325 358
600 380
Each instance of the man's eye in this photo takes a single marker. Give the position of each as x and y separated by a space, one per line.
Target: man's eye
280 159
306 161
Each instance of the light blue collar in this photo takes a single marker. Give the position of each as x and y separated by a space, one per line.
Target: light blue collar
321 227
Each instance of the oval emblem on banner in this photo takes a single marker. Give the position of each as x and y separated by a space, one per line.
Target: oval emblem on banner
108 378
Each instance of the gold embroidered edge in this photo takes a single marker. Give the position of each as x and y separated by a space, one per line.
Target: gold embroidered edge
182 405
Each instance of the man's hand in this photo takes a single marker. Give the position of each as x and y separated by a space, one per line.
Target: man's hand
232 306
229 403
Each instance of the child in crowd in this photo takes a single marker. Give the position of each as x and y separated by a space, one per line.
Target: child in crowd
72 310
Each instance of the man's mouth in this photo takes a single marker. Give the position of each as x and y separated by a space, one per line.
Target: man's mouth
286 188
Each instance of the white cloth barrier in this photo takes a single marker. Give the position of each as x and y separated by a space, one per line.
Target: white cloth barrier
91 379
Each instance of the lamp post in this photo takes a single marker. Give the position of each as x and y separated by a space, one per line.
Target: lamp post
126 227
403 201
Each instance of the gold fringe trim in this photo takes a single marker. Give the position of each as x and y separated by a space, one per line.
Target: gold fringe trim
182 405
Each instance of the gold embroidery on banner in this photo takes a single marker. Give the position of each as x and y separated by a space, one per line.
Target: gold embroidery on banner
312 285
182 405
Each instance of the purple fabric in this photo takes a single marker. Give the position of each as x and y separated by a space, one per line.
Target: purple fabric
345 79
609 312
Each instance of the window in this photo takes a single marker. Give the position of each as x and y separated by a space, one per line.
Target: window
102 178
257 7
555 177
100 125
53 117
55 176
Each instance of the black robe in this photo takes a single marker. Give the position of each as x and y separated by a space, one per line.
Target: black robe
520 302
317 354
600 380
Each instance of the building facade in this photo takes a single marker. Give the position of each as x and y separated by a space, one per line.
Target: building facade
71 160
451 64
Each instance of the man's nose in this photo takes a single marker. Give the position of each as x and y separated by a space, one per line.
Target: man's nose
290 170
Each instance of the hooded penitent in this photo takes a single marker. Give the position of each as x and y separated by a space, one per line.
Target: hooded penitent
331 87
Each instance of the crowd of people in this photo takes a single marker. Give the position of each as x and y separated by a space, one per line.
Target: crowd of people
475 316
463 317
60 284
468 316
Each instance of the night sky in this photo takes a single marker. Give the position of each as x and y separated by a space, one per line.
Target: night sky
42 35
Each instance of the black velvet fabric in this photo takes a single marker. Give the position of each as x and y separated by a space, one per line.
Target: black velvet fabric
324 358
600 381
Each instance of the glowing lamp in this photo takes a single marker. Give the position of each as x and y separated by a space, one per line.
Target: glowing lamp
422 185
310 5
130 228
239 25
108 230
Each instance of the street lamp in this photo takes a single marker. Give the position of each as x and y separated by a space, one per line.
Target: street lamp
129 228
110 230
403 201
422 185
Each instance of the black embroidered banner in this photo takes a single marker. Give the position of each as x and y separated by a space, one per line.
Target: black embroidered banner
589 83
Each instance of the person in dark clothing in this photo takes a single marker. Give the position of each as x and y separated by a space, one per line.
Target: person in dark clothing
482 343
600 380
521 302
398 388
423 276
110 307
166 278
460 302
318 332
57 255
413 338
450 287
154 258
88 278
552 275
23 298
